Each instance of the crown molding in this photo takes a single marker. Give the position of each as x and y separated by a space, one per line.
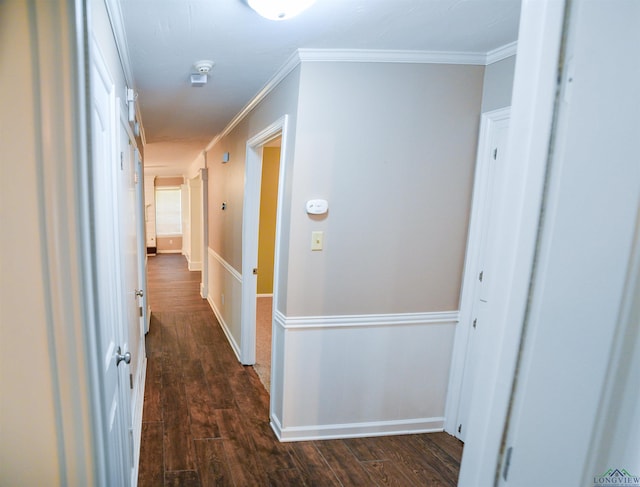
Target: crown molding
501 53
390 56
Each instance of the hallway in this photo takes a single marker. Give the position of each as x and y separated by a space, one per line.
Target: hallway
206 417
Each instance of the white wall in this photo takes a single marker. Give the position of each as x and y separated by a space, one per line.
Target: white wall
193 236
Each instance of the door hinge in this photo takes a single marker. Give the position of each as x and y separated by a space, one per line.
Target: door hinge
480 276
507 463
121 161
475 322
140 309
495 153
131 381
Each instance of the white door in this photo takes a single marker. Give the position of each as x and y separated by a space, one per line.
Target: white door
112 333
487 200
574 418
141 242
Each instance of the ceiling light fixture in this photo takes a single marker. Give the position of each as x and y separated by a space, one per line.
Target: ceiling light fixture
279 9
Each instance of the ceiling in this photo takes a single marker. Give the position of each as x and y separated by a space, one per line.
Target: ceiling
166 37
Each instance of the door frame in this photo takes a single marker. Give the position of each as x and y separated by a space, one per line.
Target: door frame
534 90
250 224
479 213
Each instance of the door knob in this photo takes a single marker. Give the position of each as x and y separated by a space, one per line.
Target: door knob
120 357
139 293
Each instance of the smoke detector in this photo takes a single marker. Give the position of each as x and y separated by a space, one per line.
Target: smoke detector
203 67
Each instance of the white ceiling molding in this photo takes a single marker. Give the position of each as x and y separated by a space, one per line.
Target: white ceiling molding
391 56
501 53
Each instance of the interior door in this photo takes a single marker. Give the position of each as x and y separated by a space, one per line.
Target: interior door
112 333
494 173
141 242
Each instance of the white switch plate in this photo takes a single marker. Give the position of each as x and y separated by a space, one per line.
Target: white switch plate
317 239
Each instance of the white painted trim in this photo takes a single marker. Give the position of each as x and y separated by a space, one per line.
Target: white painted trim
228 267
501 53
534 90
204 281
391 56
138 405
356 430
225 327
168 251
264 295
194 266
360 321
250 223
469 278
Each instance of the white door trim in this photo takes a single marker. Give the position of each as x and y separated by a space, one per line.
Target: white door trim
469 279
534 91
204 281
250 222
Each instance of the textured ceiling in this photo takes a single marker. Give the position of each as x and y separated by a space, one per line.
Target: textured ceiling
166 37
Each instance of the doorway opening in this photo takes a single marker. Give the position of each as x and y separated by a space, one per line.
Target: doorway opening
260 247
266 253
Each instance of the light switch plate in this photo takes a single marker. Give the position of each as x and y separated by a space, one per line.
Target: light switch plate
317 240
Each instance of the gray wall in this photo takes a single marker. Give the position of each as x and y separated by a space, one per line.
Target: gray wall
392 148
498 84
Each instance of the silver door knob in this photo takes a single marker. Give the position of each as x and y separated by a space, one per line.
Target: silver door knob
120 357
139 293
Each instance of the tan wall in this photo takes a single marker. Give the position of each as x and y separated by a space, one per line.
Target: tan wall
29 450
169 181
169 244
268 207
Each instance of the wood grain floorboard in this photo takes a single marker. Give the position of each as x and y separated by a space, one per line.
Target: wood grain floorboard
344 464
206 416
212 463
151 455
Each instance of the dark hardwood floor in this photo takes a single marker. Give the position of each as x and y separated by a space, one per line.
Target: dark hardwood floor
206 417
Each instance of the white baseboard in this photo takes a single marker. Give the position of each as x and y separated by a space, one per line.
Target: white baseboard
169 251
194 266
136 429
225 328
264 295
356 430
